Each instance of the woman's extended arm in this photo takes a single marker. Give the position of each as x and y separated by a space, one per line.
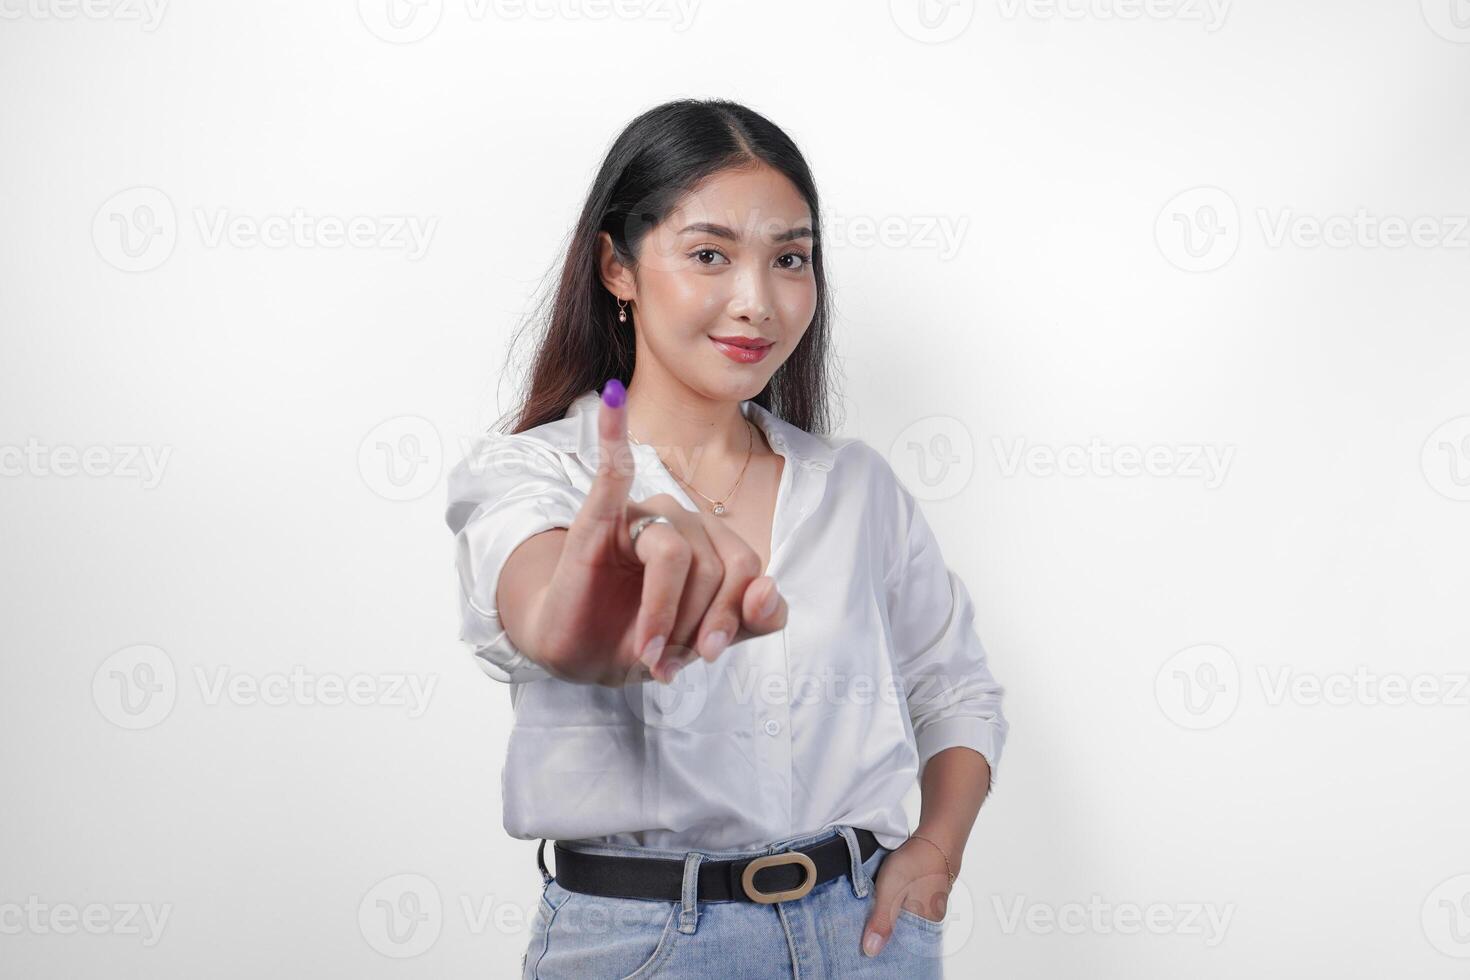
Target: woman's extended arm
553 583
523 584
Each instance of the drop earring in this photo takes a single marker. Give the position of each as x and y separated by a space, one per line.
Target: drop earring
622 311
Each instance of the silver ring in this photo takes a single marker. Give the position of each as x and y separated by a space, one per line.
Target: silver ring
636 528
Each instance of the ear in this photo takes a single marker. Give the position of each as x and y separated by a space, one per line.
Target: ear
618 278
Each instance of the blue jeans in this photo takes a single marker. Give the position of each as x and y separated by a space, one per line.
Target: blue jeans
585 937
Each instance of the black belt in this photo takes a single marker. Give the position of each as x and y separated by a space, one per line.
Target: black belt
781 877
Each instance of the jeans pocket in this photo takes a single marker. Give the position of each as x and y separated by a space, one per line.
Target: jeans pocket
908 915
593 936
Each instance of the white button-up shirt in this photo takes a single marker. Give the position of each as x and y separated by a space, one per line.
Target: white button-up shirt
828 721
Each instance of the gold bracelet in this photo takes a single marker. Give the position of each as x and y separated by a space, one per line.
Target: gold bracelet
941 854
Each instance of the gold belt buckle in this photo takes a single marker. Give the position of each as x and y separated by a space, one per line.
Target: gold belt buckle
747 877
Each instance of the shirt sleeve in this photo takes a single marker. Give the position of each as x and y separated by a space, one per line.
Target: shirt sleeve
953 699
506 489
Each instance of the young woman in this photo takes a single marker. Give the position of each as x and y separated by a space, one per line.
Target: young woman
731 640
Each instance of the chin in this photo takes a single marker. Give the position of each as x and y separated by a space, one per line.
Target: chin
735 390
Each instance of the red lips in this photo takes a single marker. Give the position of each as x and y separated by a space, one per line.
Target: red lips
749 343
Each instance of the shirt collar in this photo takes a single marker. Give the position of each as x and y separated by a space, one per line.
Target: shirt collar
786 439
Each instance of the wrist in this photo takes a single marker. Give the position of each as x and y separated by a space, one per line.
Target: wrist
949 843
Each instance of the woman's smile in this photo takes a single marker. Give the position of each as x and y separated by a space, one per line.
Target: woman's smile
743 350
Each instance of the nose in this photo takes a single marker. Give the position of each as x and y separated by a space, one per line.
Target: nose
751 299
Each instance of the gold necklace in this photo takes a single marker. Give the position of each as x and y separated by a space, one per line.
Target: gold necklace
718 508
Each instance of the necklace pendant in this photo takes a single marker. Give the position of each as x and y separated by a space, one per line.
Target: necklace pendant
719 507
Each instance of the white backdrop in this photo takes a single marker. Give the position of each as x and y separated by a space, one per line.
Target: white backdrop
1160 306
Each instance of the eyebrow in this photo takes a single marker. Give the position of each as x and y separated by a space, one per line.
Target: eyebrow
801 231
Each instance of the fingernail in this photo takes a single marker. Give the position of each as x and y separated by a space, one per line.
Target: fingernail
872 943
613 393
714 644
652 650
769 606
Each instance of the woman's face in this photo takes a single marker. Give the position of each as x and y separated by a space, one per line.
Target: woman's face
732 260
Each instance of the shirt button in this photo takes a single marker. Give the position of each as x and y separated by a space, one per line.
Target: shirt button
773 727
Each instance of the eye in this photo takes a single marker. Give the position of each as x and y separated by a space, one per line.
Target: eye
804 259
697 253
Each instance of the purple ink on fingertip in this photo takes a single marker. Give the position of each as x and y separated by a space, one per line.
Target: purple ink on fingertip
613 393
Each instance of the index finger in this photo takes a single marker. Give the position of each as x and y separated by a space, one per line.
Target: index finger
608 496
